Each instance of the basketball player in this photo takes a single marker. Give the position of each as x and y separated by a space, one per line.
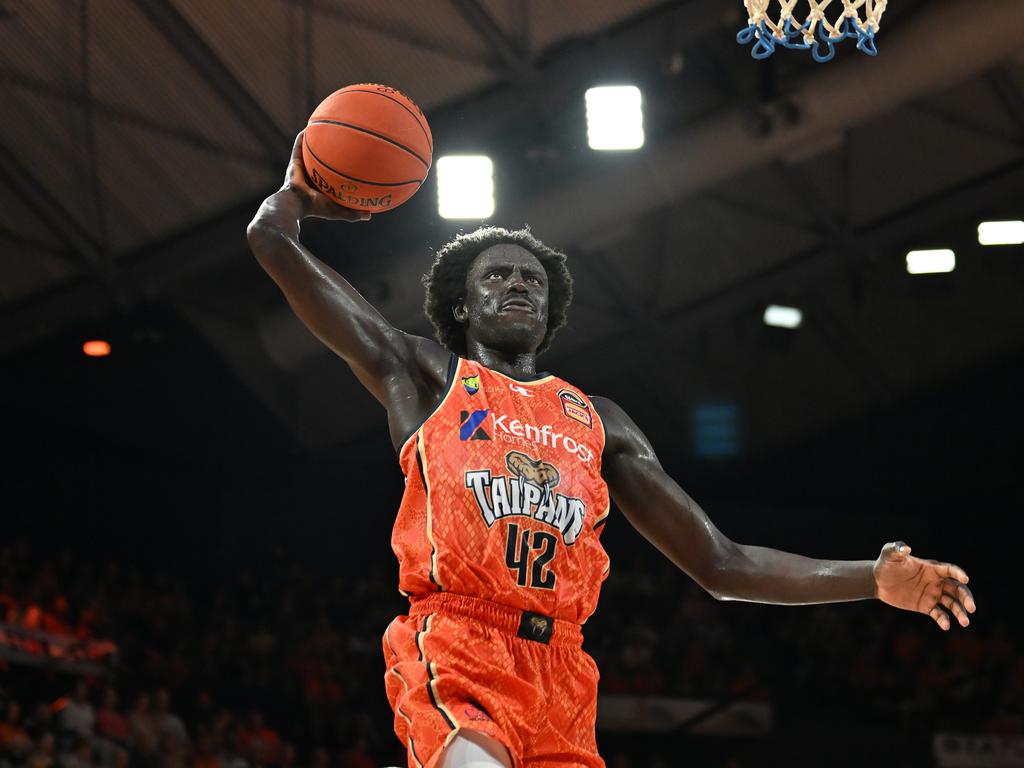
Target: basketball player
509 473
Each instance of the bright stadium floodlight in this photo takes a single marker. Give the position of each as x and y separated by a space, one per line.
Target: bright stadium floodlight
465 187
778 316
615 118
1001 233
931 262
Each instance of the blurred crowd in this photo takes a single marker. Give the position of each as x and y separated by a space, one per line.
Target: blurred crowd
657 632
278 666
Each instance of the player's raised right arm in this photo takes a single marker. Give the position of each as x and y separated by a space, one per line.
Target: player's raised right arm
382 357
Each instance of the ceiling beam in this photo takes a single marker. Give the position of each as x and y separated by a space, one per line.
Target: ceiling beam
834 98
177 30
129 117
50 210
490 31
858 360
963 200
966 122
354 15
150 272
488 114
25 241
1005 86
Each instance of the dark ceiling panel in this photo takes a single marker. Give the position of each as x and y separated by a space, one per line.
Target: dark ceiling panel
138 69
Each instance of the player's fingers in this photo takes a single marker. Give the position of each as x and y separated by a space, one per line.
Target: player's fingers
297 145
954 606
295 175
896 550
962 593
941 617
353 216
954 572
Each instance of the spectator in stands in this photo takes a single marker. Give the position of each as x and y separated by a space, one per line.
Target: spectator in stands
232 751
112 731
15 743
144 735
75 714
289 755
173 736
293 652
43 754
206 755
637 659
111 724
40 722
203 713
57 620
357 755
78 756
260 744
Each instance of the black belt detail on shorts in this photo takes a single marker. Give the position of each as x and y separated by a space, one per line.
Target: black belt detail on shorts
536 627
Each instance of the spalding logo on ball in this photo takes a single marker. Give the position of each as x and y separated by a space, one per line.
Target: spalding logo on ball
367 147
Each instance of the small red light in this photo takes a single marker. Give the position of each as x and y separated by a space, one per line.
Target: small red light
96 348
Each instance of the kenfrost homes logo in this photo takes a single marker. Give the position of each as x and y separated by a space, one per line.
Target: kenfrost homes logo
527 490
520 433
471 425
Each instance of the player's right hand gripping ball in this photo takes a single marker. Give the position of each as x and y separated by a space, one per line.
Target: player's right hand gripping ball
367 147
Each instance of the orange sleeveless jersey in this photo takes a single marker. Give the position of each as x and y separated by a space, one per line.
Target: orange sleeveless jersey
504 498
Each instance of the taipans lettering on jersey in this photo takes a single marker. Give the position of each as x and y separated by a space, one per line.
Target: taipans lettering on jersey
520 433
527 493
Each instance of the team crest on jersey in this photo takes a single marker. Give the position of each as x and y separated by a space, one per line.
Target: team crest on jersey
528 491
575 407
471 383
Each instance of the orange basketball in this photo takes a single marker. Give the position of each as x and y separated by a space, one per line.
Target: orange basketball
367 147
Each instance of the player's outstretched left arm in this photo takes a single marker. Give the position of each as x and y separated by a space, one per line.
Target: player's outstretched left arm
674 523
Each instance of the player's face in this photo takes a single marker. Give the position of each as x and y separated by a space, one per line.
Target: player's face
506 301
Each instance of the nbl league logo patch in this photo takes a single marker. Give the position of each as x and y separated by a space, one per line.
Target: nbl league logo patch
471 425
576 408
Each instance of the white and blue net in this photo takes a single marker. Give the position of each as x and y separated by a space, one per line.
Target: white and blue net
771 23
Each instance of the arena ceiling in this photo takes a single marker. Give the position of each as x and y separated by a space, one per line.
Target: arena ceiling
140 135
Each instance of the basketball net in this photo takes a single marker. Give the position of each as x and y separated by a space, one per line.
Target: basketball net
859 19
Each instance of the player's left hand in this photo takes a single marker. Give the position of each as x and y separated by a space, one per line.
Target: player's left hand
926 586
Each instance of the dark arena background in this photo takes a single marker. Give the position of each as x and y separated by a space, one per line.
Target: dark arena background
195 562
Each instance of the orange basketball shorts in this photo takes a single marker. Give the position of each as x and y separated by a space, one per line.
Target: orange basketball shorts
459 662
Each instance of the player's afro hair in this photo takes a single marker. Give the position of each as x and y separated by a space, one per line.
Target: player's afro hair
446 281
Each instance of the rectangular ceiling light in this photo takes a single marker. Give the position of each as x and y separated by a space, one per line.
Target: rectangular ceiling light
465 187
778 316
615 118
1001 233
931 262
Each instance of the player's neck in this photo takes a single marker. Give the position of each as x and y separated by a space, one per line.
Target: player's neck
518 365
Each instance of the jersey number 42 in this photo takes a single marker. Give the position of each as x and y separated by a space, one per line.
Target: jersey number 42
526 545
